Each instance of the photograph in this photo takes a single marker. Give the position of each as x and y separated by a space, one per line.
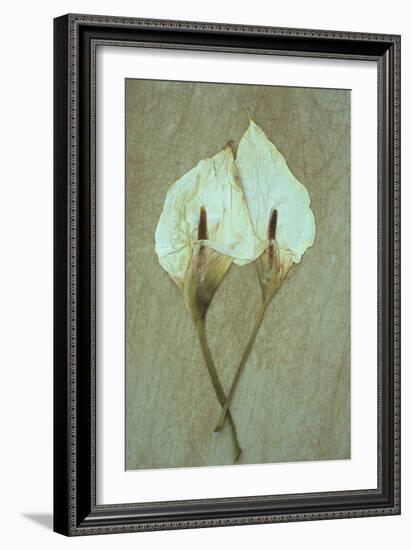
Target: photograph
237 290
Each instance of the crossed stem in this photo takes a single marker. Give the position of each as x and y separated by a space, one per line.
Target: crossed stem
219 391
247 351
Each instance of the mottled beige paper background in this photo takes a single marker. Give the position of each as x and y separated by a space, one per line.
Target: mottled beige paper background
293 400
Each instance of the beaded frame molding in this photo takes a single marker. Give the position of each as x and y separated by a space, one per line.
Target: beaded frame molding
76 38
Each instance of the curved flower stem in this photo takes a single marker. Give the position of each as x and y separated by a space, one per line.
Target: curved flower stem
200 326
260 317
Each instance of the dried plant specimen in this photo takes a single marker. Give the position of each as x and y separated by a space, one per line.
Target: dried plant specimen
224 211
269 184
213 185
203 228
282 220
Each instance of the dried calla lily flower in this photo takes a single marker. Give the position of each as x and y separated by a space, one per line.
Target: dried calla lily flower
203 228
282 220
213 186
269 185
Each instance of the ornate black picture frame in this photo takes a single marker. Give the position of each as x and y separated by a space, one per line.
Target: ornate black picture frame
75 40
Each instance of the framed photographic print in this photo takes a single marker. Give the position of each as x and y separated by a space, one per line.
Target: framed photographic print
227 279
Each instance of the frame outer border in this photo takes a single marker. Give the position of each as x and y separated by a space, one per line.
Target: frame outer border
66 271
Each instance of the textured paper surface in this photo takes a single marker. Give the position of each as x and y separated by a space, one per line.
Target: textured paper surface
293 400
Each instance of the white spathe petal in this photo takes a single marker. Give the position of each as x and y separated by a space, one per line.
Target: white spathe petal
213 185
269 184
